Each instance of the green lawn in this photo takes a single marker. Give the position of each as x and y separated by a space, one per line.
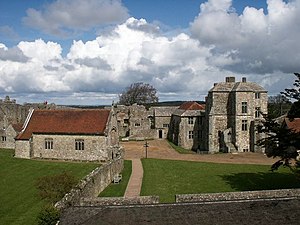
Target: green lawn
166 178
118 190
180 149
19 201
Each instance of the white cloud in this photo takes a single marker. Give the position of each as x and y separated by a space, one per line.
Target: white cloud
262 45
63 17
256 42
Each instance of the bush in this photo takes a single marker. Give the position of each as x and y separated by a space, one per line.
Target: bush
49 215
53 188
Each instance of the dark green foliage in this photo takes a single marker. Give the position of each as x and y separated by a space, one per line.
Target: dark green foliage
139 93
49 215
53 187
278 105
281 141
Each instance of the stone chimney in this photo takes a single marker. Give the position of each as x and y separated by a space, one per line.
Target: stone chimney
230 79
244 79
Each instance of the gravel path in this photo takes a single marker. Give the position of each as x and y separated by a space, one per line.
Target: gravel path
160 149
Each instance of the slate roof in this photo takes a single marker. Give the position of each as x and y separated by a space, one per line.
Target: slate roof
88 122
237 86
294 124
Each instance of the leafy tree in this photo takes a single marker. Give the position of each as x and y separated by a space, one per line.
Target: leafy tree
139 93
278 105
281 141
294 93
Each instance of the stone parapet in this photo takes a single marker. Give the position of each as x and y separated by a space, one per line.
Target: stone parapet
106 201
236 196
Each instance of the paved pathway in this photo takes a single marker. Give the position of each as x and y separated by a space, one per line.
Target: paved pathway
135 182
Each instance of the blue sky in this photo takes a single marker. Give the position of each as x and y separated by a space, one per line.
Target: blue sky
87 52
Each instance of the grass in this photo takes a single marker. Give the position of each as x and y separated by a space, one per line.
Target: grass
166 178
20 203
180 149
118 190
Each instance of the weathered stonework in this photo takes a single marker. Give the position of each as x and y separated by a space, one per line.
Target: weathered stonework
234 196
103 201
233 111
92 184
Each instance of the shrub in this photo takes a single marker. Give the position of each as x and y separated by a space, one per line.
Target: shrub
52 188
49 215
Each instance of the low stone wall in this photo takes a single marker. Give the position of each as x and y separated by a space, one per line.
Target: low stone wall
92 184
104 201
245 195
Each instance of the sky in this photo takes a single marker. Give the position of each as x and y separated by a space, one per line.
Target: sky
88 52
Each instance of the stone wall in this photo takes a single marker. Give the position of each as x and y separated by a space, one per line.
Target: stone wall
64 147
140 200
92 184
234 196
22 149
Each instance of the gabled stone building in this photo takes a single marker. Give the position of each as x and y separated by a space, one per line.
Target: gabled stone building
8 134
233 111
89 135
187 126
162 119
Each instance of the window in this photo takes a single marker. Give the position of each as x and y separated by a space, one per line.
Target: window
165 125
257 112
49 143
191 134
3 138
190 120
79 144
244 107
257 95
244 125
126 121
137 124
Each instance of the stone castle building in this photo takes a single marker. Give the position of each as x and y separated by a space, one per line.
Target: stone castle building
187 126
233 111
89 135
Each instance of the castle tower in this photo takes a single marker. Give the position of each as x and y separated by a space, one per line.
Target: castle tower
233 111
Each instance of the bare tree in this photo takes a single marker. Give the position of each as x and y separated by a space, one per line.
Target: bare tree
139 93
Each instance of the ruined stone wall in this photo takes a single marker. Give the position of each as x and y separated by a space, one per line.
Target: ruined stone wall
140 123
9 141
91 185
95 147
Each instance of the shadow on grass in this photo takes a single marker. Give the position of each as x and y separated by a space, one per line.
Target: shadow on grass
261 181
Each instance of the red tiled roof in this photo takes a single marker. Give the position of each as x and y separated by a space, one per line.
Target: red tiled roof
17 127
66 122
191 106
294 124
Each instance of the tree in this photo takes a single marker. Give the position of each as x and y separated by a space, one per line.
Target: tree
278 105
139 93
294 93
280 141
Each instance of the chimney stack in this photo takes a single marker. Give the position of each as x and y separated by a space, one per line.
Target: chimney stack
230 79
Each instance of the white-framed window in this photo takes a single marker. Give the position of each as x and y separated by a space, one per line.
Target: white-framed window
79 144
257 95
48 143
244 107
257 112
244 125
190 120
191 134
